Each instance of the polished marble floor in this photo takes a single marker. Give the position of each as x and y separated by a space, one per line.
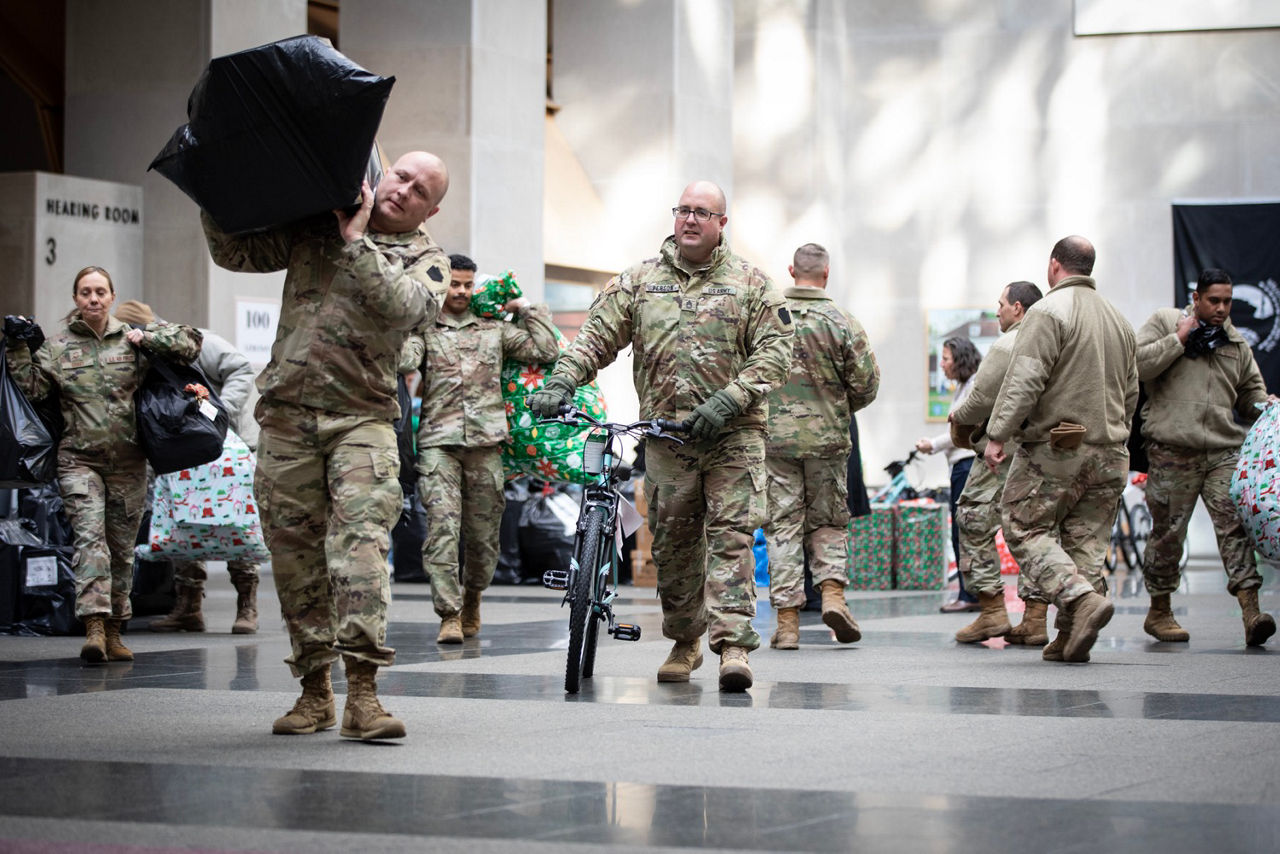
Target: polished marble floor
905 741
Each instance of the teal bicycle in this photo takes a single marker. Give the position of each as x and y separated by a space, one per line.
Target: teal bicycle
591 580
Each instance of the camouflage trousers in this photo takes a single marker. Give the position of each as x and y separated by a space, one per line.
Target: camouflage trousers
328 496
1178 476
978 516
104 499
461 489
808 512
706 500
1057 510
192 573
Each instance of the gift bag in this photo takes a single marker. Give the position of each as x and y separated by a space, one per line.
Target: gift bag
28 448
1256 485
208 511
492 294
181 421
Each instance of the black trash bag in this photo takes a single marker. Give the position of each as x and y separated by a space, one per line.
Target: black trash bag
153 589
48 603
28 447
509 569
277 133
406 542
177 430
43 507
14 534
544 542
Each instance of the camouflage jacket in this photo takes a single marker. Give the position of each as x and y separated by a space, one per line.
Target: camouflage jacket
976 408
724 326
345 311
95 379
833 375
461 374
1193 402
1073 360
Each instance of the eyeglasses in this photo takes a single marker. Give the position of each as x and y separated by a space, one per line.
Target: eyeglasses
700 214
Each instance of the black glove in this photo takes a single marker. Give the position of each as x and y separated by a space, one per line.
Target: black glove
709 419
555 392
20 328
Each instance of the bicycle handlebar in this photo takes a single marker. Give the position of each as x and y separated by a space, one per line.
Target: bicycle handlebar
656 427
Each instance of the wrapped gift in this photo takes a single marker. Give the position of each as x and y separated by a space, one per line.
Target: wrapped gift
548 451
208 512
919 553
491 294
871 549
1255 488
1008 566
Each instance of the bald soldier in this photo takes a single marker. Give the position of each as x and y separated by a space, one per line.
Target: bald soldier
833 375
327 458
710 336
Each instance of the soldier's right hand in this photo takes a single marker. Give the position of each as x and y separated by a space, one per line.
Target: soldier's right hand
555 392
21 328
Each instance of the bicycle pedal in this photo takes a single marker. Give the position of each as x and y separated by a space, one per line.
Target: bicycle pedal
556 579
626 632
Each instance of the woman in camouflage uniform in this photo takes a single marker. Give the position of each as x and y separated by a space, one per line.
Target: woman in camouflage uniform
94 365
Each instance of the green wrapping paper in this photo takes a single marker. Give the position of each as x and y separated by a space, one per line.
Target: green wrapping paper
492 294
872 549
919 559
551 452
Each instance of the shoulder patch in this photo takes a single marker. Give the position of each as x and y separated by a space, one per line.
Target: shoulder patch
784 315
434 273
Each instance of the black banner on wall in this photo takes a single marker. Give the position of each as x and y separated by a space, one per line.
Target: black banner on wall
1244 240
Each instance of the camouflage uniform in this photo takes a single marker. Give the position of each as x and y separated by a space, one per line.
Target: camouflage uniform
1073 360
694 332
327 457
102 472
978 510
833 375
231 375
1193 443
460 433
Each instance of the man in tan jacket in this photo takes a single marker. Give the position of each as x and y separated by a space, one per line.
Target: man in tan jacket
1200 374
1069 395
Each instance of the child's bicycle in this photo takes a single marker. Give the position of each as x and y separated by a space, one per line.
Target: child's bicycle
591 581
899 488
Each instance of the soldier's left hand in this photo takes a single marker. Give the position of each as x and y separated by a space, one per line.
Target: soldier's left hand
352 226
709 419
134 336
994 455
516 305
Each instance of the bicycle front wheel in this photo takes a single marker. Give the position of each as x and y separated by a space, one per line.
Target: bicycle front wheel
580 604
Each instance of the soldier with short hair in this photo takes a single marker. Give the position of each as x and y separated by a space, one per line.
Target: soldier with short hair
1069 396
327 458
833 375
460 437
978 510
1202 386
710 337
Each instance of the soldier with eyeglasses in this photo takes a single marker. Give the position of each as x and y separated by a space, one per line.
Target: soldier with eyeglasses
711 335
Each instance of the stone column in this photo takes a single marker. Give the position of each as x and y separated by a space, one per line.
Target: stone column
470 87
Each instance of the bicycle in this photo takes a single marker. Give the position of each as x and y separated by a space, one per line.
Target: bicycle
591 581
899 488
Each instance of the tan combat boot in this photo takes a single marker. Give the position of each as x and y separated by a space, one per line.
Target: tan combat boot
470 616
735 670
1258 625
1053 652
186 615
363 716
835 613
991 623
684 658
1031 631
787 635
1089 614
116 650
246 622
314 710
95 640
1160 623
450 630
